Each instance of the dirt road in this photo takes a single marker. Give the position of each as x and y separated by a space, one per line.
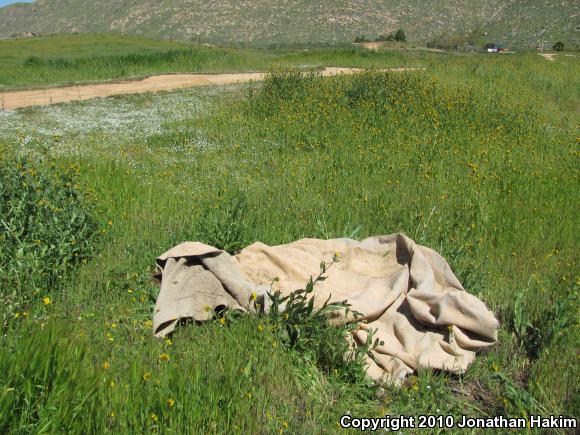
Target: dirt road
165 82
549 56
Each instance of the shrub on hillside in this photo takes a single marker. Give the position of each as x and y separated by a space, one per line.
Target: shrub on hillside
383 37
45 229
400 36
361 38
558 46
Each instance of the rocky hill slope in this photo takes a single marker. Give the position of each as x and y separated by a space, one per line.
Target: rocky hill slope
518 23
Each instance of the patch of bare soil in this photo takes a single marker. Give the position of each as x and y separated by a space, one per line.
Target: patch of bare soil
549 56
370 45
165 82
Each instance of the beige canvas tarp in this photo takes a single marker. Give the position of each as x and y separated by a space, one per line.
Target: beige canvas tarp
407 293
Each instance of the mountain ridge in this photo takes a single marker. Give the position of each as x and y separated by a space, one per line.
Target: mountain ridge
518 23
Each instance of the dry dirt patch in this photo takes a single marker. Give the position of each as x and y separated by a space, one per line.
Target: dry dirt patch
549 56
165 82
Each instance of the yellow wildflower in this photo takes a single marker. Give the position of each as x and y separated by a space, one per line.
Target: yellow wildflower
170 403
106 365
146 376
46 300
154 418
260 327
254 296
164 357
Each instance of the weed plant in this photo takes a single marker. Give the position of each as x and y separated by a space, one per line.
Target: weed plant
46 230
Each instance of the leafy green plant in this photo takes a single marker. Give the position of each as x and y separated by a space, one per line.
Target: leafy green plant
400 36
558 46
537 334
46 227
310 332
225 226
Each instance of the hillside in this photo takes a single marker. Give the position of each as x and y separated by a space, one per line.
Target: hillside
516 23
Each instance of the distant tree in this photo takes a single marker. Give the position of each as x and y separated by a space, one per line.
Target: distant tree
558 46
383 37
447 41
361 38
400 36
489 45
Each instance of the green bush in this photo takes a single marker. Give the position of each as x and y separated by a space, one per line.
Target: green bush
382 38
320 347
225 225
361 38
310 332
558 46
46 227
400 36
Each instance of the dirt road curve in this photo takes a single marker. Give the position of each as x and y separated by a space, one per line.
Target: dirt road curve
166 82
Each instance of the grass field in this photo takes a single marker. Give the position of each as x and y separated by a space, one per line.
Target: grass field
476 157
65 59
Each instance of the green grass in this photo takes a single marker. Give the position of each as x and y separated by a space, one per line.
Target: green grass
66 59
229 380
476 157
16 51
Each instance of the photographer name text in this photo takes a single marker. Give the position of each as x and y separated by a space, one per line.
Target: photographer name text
449 421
